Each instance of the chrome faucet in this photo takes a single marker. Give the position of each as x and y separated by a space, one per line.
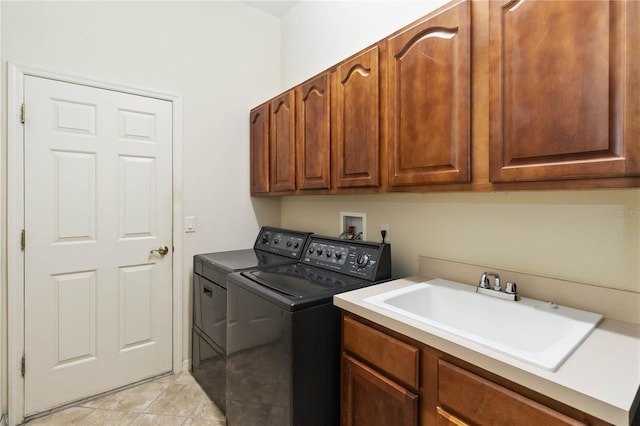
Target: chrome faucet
485 287
484 281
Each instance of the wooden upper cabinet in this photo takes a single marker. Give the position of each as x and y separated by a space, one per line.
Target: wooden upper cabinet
562 80
282 143
429 100
259 147
313 133
356 121
556 97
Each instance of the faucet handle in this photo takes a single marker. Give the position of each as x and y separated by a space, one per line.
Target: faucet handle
484 281
511 288
496 283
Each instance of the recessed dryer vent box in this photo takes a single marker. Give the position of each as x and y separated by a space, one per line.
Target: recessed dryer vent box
356 220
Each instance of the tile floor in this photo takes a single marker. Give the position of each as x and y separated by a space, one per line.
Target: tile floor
170 400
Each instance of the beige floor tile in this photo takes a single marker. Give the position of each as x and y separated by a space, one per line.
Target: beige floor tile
69 416
137 398
171 400
184 378
208 410
157 419
94 403
199 421
178 399
109 417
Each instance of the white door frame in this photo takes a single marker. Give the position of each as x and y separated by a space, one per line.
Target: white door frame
15 219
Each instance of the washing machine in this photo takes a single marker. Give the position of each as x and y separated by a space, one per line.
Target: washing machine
283 333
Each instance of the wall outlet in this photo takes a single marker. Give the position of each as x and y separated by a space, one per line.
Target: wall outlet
385 227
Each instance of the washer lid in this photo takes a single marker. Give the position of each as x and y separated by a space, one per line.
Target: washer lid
299 281
229 261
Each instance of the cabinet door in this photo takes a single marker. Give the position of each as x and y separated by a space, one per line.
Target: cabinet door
282 159
559 77
484 402
259 146
356 121
370 399
429 100
313 133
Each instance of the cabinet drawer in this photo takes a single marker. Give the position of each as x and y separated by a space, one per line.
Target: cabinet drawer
397 359
481 401
447 419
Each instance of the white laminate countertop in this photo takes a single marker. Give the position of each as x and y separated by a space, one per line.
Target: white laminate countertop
601 377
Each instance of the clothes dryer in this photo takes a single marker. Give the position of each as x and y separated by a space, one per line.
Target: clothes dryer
273 247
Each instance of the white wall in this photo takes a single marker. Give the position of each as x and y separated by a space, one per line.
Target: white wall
319 34
586 236
3 286
222 57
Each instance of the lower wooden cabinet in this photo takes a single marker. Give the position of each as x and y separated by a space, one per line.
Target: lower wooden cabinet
397 359
390 379
485 402
447 419
371 399
380 378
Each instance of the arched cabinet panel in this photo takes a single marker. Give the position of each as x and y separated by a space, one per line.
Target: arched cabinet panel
282 143
356 121
313 133
259 149
429 100
559 76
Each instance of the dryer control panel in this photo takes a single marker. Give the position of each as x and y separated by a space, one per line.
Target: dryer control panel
364 259
284 242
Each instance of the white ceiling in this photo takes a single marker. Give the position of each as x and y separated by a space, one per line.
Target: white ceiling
276 8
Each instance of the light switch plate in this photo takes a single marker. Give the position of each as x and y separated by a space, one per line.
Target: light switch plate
189 224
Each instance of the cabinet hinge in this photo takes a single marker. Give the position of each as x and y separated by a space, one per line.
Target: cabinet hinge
22 240
22 366
22 113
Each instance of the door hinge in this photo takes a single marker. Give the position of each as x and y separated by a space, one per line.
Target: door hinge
22 113
22 366
22 240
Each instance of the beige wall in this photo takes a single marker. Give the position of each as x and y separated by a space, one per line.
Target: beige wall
591 237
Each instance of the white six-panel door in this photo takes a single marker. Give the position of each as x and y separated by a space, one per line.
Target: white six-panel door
98 200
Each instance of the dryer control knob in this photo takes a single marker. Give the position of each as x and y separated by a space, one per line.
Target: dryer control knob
362 260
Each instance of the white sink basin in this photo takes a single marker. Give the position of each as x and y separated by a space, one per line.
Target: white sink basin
539 333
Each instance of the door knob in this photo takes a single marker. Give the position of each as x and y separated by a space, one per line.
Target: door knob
160 250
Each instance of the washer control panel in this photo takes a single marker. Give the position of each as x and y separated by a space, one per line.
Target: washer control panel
281 241
365 259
